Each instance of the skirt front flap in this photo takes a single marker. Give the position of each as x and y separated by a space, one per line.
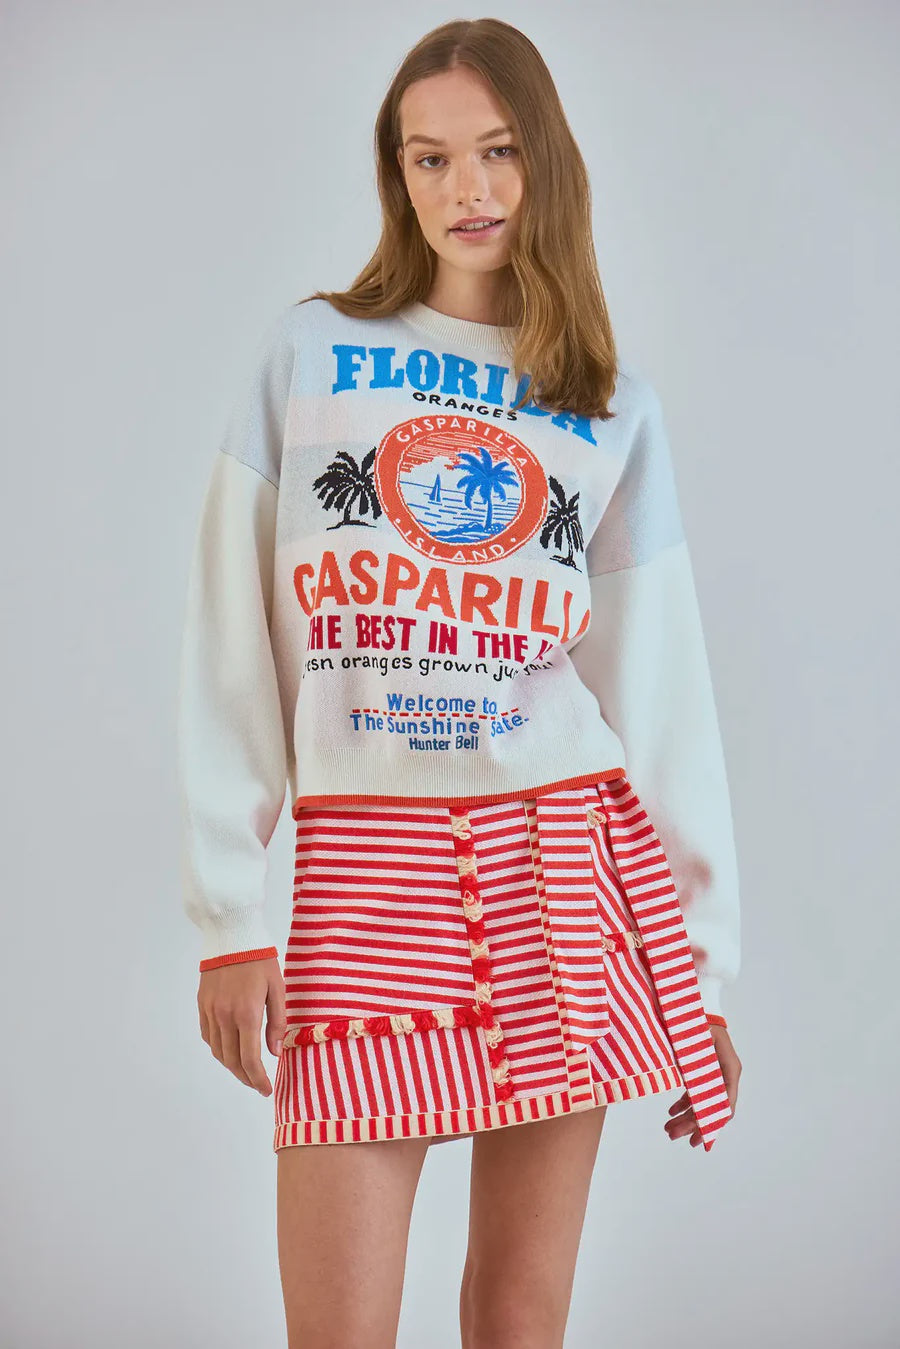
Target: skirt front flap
377 927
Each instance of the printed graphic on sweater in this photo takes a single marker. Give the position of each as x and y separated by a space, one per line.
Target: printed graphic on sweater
457 489
460 490
465 494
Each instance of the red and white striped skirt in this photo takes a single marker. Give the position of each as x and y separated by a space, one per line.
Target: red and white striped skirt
452 968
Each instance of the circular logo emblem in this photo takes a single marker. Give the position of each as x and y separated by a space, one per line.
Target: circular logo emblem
460 489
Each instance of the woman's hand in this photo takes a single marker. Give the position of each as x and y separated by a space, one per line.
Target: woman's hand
685 1121
231 1000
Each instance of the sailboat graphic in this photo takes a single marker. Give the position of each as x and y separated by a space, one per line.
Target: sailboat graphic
435 494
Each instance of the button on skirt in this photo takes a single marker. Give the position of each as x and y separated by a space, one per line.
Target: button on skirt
456 968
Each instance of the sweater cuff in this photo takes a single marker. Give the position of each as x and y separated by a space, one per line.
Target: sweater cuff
238 957
237 929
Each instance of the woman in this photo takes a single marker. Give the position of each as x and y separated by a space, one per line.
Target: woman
442 588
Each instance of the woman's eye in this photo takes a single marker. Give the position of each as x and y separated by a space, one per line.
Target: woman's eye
509 151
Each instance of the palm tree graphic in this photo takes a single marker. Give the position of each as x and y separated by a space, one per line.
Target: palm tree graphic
562 520
485 477
346 484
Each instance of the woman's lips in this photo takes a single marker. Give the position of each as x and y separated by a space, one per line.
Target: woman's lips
486 232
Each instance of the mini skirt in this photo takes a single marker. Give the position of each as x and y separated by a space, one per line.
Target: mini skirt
456 968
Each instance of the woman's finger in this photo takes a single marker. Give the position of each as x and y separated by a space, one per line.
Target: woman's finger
249 1025
276 1019
683 1124
231 1050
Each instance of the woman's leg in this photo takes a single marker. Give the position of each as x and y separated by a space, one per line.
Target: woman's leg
343 1225
529 1192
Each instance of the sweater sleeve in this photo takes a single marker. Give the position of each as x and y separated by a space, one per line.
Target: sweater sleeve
644 658
232 754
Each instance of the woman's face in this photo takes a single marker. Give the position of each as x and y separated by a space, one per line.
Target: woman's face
460 159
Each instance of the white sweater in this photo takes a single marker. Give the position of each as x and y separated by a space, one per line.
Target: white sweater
401 589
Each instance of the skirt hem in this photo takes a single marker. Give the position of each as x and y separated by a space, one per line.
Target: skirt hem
468 1120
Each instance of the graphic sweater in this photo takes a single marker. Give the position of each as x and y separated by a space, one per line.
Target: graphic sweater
403 590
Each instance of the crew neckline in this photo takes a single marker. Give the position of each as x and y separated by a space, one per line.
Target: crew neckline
486 336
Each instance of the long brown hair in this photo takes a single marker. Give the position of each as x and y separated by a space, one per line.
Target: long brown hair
554 298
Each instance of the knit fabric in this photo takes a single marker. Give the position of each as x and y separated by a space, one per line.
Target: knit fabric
403 590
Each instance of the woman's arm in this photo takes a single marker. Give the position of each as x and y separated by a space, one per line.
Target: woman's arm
232 750
644 657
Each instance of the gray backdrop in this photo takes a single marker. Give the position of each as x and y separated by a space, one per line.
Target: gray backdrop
176 172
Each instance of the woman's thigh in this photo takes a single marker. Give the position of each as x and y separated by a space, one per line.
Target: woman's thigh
343 1225
529 1191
